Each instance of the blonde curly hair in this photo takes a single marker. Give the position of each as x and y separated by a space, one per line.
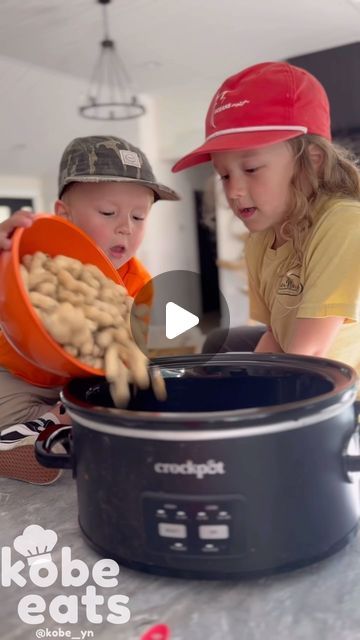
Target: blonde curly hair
338 177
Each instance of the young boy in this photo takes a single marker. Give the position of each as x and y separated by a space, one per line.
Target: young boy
106 188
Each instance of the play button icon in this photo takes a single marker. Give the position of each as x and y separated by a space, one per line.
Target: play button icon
168 318
178 320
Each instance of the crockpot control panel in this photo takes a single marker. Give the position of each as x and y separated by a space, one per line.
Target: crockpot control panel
196 525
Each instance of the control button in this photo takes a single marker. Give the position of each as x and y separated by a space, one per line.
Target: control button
160 512
212 507
223 515
210 548
180 514
169 530
178 546
213 532
201 515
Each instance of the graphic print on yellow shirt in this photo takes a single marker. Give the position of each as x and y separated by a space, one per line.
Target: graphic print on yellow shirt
327 283
290 285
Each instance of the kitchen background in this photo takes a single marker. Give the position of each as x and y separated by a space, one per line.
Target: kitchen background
176 53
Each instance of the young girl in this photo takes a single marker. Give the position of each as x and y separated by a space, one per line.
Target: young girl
268 137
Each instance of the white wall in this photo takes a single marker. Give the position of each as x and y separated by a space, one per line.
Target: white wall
232 281
23 187
170 242
182 112
39 116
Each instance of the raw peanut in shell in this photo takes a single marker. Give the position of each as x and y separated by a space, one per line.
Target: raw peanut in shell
69 296
26 262
47 289
158 384
43 302
105 337
74 352
73 266
39 276
141 310
38 261
25 275
89 316
112 362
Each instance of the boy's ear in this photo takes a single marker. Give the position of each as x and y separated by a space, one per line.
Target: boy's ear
61 209
316 156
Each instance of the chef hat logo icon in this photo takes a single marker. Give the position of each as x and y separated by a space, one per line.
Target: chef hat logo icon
36 544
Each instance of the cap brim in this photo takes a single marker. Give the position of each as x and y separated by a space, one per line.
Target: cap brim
233 142
161 191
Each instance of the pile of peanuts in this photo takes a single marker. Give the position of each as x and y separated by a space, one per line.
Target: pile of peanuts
89 316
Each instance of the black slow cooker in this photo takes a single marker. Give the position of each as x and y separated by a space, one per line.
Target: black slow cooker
248 468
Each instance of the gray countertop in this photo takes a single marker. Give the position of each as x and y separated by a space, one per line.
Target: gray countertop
321 601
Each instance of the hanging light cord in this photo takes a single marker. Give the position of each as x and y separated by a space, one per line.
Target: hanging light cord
106 23
110 75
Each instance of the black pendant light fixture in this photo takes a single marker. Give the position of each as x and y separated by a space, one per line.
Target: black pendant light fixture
110 95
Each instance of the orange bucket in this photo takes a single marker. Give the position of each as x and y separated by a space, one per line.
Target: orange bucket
18 319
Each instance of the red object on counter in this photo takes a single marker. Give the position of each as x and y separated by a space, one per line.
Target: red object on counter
159 632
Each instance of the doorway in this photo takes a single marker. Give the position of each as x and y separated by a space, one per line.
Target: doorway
209 276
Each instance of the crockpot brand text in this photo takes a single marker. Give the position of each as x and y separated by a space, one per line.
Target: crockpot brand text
190 468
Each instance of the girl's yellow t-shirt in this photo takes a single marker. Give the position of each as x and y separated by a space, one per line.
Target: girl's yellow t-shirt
326 284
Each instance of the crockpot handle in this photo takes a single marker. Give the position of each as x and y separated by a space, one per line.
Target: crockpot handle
45 442
352 462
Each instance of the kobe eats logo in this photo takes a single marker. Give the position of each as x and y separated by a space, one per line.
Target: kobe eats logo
36 545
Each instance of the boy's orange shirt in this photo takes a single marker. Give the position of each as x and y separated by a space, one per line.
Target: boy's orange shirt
134 276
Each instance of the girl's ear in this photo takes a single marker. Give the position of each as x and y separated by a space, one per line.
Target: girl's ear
316 156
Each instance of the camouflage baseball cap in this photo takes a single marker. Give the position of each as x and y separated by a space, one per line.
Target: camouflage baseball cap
108 159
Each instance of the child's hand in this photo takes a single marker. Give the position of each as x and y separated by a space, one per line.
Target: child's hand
18 219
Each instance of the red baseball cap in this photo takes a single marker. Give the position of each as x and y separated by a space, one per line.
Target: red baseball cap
263 104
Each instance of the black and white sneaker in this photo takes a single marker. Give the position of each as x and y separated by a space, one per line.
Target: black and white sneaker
19 434
17 453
